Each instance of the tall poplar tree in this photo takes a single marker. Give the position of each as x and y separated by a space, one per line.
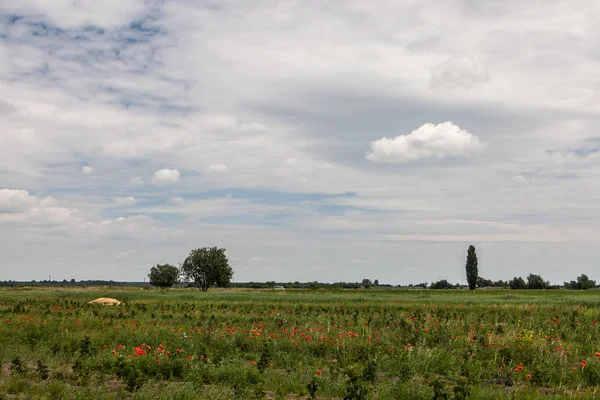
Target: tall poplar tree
471 268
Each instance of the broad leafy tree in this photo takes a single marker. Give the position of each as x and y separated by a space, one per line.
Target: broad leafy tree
207 267
443 284
517 283
583 283
164 276
536 282
471 268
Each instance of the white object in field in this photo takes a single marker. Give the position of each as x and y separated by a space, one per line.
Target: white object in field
105 301
279 288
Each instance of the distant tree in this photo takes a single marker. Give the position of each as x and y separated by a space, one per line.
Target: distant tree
582 283
164 276
517 283
207 267
471 268
443 284
536 282
366 283
376 282
482 282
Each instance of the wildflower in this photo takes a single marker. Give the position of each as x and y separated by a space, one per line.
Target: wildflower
598 354
583 363
519 368
120 347
528 376
253 362
191 357
319 372
157 361
473 355
114 352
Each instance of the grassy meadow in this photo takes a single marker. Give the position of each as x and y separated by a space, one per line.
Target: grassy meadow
353 344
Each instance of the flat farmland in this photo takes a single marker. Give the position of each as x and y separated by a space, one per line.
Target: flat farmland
353 344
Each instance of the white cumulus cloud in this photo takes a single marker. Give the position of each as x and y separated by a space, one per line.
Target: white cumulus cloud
86 169
166 177
125 201
459 72
13 201
19 206
429 140
220 168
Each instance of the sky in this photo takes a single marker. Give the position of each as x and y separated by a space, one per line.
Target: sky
330 141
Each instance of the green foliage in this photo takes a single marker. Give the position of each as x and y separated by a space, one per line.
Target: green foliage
536 282
397 344
313 387
462 390
207 267
443 284
131 375
17 367
517 283
471 268
582 283
439 389
164 276
357 388
42 370
85 347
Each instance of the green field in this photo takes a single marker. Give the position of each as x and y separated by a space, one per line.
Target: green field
237 344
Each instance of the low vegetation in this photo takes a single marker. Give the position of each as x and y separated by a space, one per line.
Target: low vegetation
232 344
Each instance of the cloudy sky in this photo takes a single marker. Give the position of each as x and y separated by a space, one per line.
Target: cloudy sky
313 140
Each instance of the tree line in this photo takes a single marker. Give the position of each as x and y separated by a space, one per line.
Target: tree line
533 281
208 267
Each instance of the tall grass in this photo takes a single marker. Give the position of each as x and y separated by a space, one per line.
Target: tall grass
182 343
